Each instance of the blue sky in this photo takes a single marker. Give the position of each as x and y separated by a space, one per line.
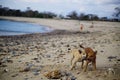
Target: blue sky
99 7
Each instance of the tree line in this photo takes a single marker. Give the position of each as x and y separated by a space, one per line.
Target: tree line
5 11
82 16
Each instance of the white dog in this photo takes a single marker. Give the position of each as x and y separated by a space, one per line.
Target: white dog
77 56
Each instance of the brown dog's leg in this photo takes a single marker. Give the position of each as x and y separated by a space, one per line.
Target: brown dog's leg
94 65
82 64
86 65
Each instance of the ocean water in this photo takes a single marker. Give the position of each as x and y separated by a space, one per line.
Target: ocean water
8 27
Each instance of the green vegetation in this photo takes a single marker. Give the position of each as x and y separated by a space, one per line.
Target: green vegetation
5 11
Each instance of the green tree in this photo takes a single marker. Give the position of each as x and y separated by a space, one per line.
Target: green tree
73 15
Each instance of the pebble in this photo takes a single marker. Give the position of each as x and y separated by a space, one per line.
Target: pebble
36 70
68 45
48 56
10 61
6 70
19 60
111 71
2 45
14 75
29 64
102 51
112 57
73 78
4 60
3 65
53 45
118 59
64 78
26 69
36 73
26 78
35 58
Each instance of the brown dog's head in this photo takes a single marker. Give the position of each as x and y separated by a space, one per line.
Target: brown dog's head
91 56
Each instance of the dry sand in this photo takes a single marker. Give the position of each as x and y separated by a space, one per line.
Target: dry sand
28 57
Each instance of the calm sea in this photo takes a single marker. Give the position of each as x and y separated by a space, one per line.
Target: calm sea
8 27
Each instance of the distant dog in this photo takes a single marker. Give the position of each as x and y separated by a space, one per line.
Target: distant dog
77 56
81 27
90 57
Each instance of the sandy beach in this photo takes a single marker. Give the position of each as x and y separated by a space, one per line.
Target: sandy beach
30 56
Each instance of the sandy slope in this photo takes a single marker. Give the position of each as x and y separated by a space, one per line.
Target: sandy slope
40 53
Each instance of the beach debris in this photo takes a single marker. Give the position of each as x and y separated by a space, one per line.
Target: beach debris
112 57
26 78
35 58
2 54
10 61
73 78
67 45
101 51
118 59
61 55
110 71
55 74
3 65
27 68
36 71
6 59
68 78
48 56
3 60
6 70
65 78
14 75
53 45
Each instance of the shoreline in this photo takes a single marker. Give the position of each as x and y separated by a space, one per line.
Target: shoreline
12 33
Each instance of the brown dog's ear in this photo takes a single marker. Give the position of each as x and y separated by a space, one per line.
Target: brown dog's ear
81 46
95 52
80 51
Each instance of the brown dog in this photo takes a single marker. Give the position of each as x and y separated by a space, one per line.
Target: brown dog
90 57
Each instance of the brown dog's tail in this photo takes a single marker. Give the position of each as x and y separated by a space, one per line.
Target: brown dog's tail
81 46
